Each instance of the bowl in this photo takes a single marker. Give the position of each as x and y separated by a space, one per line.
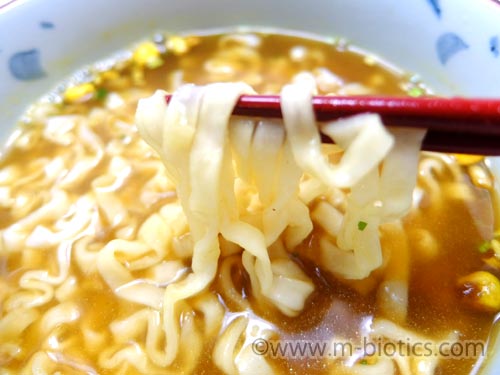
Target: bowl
454 45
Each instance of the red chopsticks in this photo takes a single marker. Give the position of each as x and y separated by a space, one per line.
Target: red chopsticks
457 125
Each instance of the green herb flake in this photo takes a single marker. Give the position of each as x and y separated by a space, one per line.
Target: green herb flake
101 93
362 225
363 362
484 247
415 92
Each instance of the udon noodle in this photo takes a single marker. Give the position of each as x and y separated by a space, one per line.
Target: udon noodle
205 156
178 252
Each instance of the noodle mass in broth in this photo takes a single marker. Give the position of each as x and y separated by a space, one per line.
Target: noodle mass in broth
180 251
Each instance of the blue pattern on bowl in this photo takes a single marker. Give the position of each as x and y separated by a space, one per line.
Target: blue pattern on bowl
494 46
26 65
448 44
436 7
46 25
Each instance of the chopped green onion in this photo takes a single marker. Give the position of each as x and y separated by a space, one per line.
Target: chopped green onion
101 93
363 362
362 225
415 92
484 247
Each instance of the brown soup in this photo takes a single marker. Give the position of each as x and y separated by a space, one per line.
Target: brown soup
79 169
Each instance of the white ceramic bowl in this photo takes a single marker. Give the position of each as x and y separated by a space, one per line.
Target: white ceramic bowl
454 45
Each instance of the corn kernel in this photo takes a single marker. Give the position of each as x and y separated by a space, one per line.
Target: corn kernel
109 75
465 159
177 45
480 176
481 291
147 55
80 93
180 45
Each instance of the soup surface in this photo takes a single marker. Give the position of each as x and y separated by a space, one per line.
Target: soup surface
76 175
